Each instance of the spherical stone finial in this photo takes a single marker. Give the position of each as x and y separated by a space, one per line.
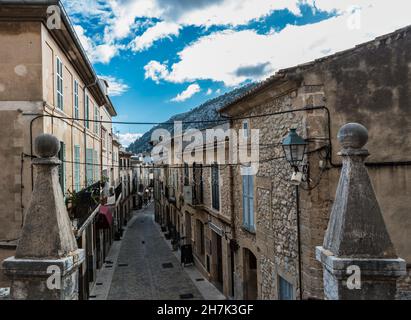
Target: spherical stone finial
46 146
353 135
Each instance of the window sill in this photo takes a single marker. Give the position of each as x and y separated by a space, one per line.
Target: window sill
248 230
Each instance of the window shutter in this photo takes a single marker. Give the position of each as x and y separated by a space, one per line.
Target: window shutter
89 166
77 168
62 168
95 162
245 201
215 187
87 124
251 200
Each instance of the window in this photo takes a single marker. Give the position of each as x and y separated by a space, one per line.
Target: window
104 138
285 289
246 129
248 201
59 83
200 238
87 115
96 117
186 175
62 167
89 166
77 168
96 167
215 187
76 100
197 184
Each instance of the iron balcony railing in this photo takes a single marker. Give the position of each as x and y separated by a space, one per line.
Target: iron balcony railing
198 193
118 191
197 184
166 192
84 203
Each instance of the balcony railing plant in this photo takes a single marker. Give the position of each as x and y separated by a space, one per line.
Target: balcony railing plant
83 203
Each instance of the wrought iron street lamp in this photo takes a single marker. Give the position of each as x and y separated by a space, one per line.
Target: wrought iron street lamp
294 148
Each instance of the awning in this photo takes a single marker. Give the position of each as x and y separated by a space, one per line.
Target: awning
105 218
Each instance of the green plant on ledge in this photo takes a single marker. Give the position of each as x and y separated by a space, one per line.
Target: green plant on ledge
104 180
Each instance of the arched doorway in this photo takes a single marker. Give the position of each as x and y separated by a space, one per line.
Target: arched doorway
250 275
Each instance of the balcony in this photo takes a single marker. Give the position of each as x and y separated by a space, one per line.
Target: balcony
193 195
198 194
172 194
83 204
118 191
166 192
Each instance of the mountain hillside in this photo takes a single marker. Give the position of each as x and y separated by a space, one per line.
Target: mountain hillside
205 112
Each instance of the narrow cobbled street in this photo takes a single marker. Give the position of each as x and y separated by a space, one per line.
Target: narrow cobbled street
146 267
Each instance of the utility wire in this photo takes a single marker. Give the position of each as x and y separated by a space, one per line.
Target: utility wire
170 166
173 122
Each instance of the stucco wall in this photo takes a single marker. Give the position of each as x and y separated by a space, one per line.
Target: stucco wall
20 70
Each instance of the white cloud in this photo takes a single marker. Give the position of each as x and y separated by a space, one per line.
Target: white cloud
236 56
88 8
188 12
123 17
191 90
234 12
209 91
102 53
155 71
116 86
128 138
159 31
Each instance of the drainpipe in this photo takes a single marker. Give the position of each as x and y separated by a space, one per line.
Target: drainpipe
300 276
233 220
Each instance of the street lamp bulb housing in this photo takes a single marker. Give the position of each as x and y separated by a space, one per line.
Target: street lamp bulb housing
294 148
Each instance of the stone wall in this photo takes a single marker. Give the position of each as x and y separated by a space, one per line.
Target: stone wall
275 240
404 286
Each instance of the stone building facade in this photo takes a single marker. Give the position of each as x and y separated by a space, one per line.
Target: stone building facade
48 85
194 200
269 252
369 84
128 187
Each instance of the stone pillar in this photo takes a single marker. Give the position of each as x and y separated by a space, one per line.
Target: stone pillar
358 257
47 259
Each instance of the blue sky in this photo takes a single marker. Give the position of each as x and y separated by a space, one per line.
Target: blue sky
163 57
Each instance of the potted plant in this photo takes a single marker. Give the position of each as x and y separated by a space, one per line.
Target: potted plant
104 180
72 201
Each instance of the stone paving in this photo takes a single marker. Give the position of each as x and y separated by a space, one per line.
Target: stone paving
139 273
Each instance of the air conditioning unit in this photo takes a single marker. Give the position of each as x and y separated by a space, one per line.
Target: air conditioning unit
188 195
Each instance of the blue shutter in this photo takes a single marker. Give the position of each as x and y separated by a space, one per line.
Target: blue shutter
77 168
215 185
285 289
96 175
251 201
245 201
248 200
89 166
